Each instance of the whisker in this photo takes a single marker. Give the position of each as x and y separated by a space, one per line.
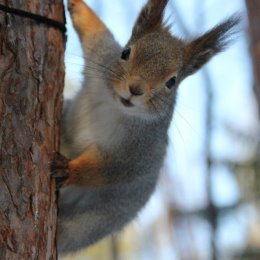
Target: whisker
186 121
161 106
73 63
124 72
180 115
99 77
164 107
75 77
73 54
105 67
165 101
185 106
156 110
94 68
98 70
179 132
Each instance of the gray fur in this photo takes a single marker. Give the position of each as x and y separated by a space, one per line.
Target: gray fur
134 149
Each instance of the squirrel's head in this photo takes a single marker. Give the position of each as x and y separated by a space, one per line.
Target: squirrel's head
154 62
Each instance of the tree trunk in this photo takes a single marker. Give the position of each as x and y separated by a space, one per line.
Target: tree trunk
31 85
253 7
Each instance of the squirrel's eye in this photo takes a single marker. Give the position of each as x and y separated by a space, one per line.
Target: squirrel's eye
171 82
125 54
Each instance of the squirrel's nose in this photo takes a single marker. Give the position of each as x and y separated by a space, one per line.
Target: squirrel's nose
136 90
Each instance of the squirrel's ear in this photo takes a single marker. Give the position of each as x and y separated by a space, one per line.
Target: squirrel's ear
149 19
201 50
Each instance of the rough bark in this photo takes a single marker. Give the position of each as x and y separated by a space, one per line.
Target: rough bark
253 7
31 85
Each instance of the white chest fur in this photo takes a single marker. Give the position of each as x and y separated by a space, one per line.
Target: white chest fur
96 119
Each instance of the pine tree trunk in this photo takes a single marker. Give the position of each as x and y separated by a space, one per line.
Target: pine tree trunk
31 85
253 7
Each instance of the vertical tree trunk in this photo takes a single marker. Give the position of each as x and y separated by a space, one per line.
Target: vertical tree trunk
31 85
253 7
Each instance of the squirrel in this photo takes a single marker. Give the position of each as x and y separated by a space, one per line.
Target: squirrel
114 132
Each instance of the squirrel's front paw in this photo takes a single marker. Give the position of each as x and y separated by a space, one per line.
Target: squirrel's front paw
59 169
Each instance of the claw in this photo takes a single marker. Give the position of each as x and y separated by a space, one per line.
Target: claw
59 179
59 169
59 162
59 176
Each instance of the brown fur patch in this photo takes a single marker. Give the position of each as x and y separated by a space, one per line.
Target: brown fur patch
86 169
85 20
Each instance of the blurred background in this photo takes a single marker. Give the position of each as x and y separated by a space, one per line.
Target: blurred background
206 205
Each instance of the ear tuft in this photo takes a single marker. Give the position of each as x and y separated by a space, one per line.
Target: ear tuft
149 19
201 50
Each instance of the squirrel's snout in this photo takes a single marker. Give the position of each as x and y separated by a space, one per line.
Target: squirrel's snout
136 90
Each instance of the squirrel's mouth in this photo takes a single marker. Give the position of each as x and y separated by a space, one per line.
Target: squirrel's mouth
126 102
